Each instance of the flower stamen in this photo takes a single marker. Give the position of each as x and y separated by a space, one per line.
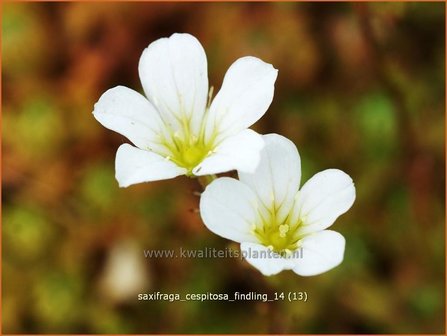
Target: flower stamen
282 237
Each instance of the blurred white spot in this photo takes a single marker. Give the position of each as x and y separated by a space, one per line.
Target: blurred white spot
125 274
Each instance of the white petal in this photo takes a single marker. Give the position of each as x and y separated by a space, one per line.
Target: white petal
173 72
322 251
265 260
276 179
241 151
133 165
323 198
129 113
246 93
228 208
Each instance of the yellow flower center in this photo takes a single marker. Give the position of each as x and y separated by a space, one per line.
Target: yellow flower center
188 154
282 237
187 149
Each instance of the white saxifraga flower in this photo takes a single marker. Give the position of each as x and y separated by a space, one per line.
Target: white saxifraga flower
272 218
174 130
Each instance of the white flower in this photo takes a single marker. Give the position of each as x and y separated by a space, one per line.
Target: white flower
273 219
174 130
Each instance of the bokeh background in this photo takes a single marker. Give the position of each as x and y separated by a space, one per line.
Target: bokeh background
360 87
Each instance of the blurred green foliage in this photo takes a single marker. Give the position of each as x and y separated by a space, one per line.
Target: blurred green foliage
360 87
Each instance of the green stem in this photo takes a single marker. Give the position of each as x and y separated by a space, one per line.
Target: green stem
205 180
